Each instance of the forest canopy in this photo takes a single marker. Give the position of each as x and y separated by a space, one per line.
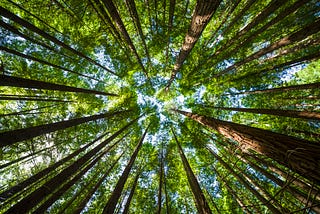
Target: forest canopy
162 106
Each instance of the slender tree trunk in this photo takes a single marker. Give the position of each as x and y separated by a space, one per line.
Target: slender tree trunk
113 200
301 34
33 99
245 184
64 188
200 18
44 62
26 111
117 19
278 112
232 192
28 83
134 14
6 13
299 155
200 200
38 176
93 189
11 137
315 85
302 197
160 183
27 203
134 186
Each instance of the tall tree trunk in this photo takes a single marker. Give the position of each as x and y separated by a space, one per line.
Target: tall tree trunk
93 189
299 35
33 99
315 85
134 186
278 112
26 111
200 18
38 176
6 13
44 62
134 14
200 200
302 197
113 200
28 83
232 192
117 19
299 155
30 201
245 184
160 183
11 137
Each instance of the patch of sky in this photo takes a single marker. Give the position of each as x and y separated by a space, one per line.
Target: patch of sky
289 73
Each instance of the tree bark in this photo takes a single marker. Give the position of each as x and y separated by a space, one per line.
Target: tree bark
315 85
117 19
11 137
6 13
113 200
28 83
93 189
30 201
279 112
301 156
134 14
200 18
44 62
160 183
26 111
200 200
299 35
245 184
23 185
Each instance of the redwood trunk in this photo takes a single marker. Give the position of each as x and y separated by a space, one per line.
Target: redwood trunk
201 17
134 186
245 184
28 83
299 155
200 200
11 137
114 198
27 203
278 112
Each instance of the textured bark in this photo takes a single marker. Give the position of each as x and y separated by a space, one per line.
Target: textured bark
27 203
28 83
43 62
200 18
11 137
301 156
245 184
200 200
4 12
117 19
299 35
302 197
128 202
278 112
315 85
114 198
